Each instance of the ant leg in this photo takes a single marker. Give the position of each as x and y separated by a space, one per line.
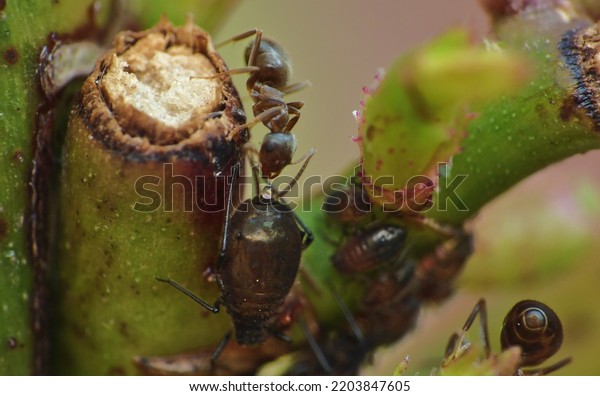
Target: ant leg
213 309
306 158
452 346
546 370
222 344
481 309
296 87
456 340
264 116
239 37
314 346
294 107
252 59
240 70
256 170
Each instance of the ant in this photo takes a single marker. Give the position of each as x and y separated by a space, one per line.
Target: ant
261 245
270 69
530 325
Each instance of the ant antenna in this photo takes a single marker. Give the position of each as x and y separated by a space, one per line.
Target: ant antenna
306 158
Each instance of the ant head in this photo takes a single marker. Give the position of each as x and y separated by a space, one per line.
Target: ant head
275 67
276 153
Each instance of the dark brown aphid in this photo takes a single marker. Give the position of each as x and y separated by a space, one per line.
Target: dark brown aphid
369 249
258 262
270 69
535 328
387 314
531 325
436 272
347 205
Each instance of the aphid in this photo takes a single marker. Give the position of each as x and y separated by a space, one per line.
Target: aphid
234 359
259 258
347 205
389 309
337 353
435 273
530 325
387 314
371 248
270 69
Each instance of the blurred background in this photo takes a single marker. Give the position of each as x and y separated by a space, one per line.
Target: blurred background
538 241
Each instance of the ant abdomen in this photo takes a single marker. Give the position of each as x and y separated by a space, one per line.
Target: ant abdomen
534 327
273 62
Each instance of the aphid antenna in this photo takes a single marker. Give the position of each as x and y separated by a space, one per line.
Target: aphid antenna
314 346
356 330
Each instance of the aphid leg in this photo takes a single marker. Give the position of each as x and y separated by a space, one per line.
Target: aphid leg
281 336
545 370
442 229
312 342
211 308
306 158
308 235
234 175
222 344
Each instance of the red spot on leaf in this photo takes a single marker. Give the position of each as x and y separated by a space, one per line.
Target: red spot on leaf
3 229
11 56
